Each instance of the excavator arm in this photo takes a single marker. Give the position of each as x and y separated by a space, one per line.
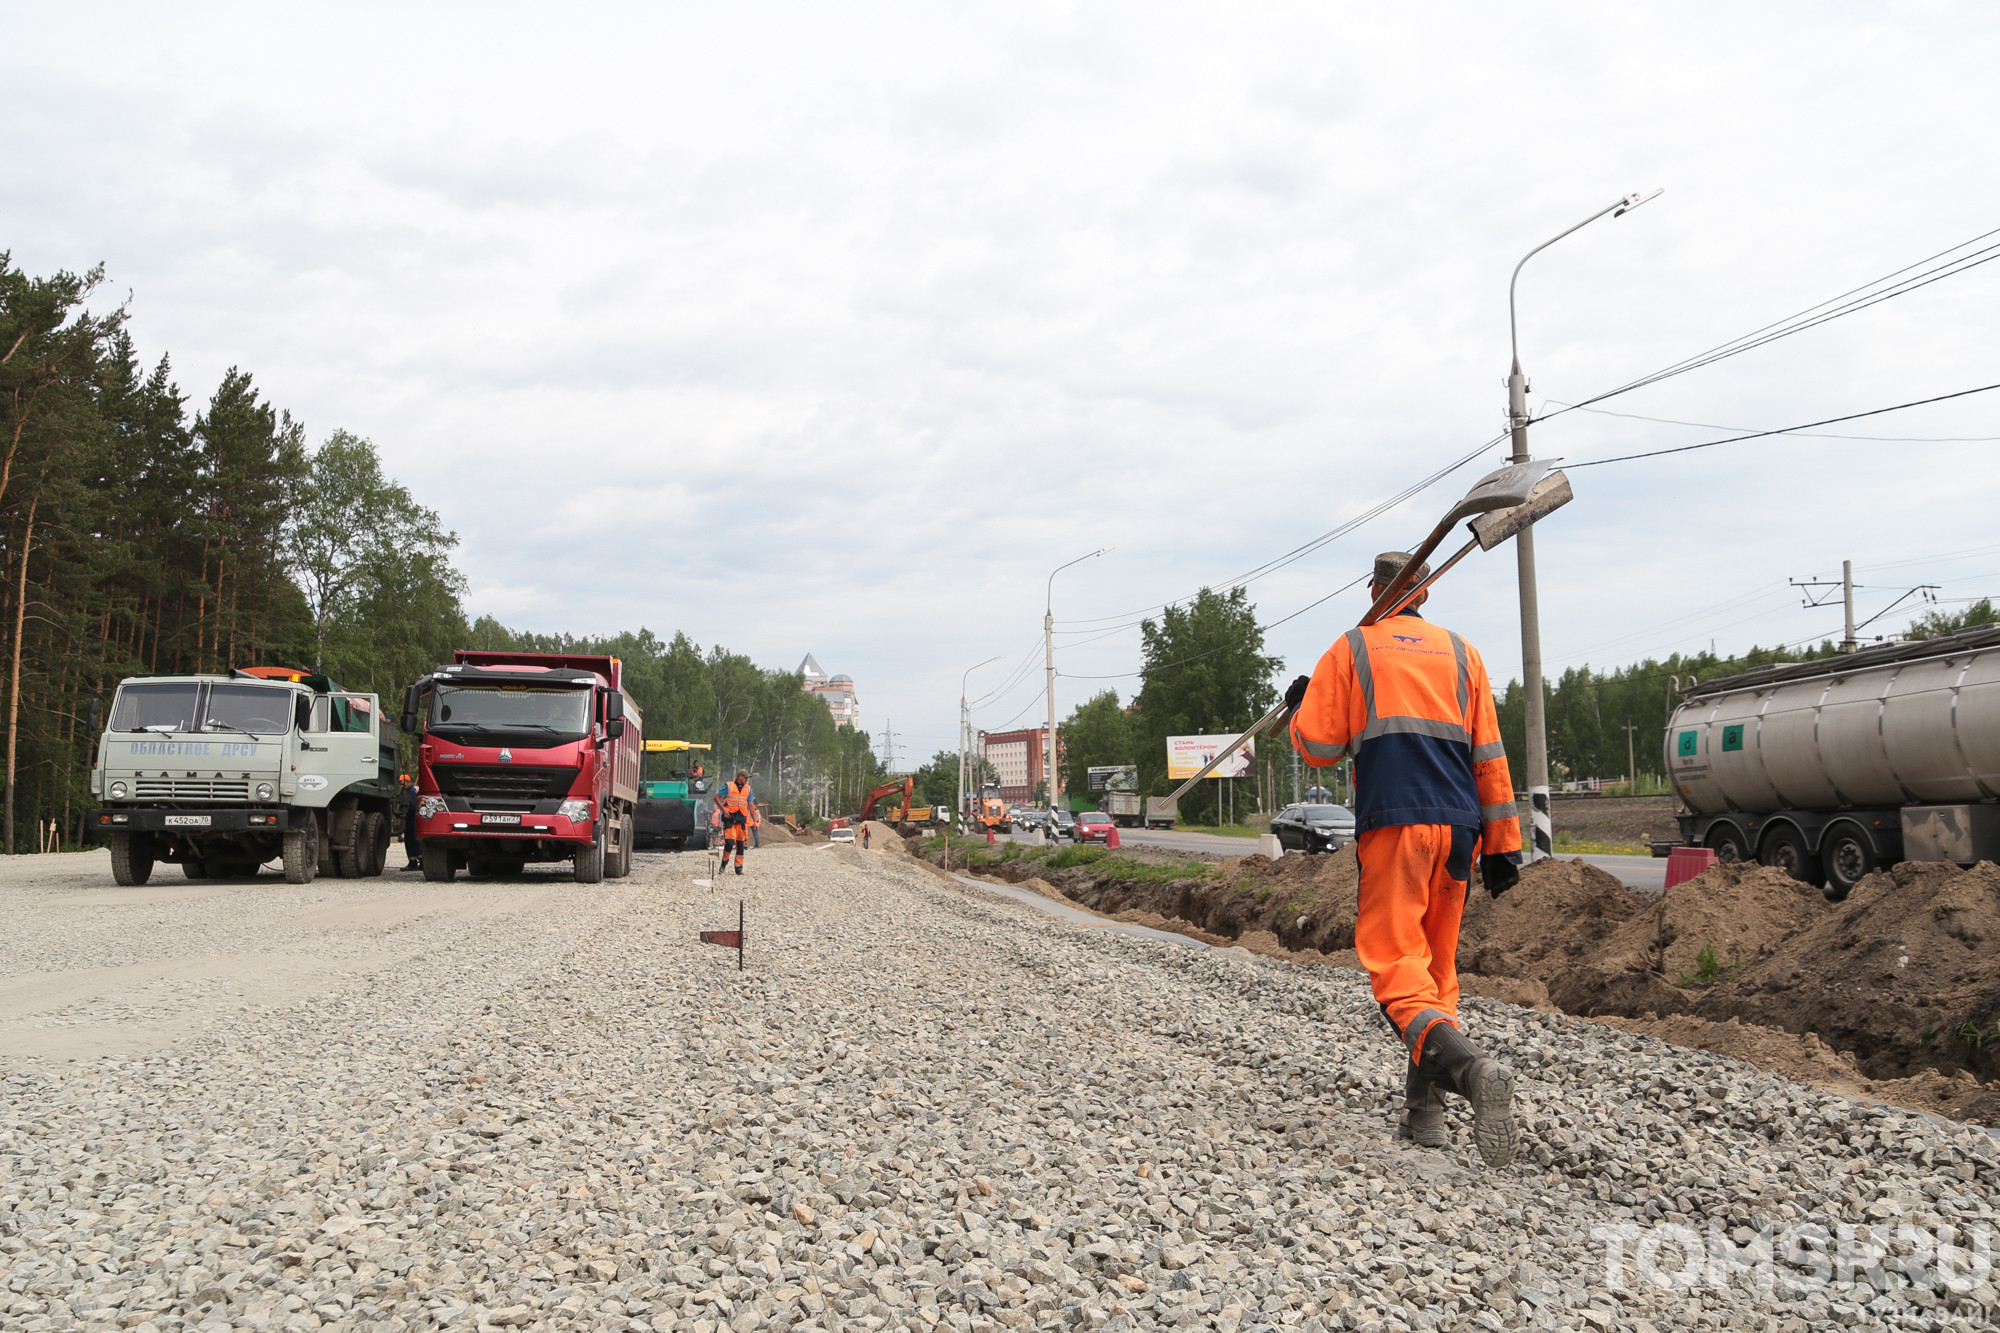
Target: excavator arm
907 786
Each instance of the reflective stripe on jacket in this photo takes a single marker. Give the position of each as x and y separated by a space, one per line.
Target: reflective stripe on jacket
1411 703
733 804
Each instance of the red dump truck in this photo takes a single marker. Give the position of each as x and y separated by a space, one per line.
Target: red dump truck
525 757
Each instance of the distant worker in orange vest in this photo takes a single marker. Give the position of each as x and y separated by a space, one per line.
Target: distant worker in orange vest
736 808
1411 702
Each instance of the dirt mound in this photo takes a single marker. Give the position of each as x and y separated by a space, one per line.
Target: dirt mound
774 834
1696 934
1553 920
1905 973
882 838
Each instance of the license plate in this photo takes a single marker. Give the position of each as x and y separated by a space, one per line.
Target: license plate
499 819
186 821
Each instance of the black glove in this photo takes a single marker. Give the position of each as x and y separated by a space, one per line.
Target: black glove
1297 693
1498 873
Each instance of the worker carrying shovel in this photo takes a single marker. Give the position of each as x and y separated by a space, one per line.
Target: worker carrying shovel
1411 703
735 807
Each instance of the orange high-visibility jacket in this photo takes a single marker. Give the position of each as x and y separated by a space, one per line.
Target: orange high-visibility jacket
1411 703
734 804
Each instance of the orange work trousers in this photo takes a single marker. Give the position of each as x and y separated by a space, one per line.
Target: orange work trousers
1413 879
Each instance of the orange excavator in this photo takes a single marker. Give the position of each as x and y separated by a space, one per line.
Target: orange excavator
895 815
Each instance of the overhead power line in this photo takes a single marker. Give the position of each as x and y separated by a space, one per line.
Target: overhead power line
1867 439
1904 280
1785 430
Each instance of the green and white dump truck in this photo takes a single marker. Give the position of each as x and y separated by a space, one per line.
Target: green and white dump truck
221 774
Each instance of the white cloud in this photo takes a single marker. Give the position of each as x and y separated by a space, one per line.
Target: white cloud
837 329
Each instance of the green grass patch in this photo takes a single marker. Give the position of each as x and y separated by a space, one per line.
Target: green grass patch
1223 830
1574 847
1708 969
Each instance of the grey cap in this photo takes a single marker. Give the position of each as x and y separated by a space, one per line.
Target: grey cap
1390 563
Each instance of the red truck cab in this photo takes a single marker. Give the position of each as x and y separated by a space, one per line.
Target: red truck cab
525 757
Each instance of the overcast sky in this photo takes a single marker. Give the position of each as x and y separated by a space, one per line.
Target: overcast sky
836 328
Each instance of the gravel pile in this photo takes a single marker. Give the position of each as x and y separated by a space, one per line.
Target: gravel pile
922 1108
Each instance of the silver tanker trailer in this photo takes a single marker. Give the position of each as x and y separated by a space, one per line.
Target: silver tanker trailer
1834 768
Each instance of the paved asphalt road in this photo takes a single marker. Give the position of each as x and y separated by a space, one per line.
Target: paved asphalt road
1644 873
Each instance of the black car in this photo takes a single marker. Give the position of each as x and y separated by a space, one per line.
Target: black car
1313 828
1062 823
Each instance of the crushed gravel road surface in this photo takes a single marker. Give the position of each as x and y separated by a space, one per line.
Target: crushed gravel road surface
530 1103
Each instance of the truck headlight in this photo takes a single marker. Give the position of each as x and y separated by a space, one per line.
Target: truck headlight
264 791
430 807
576 811
116 791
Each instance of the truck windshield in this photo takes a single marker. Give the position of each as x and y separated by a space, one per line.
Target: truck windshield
259 709
167 706
481 714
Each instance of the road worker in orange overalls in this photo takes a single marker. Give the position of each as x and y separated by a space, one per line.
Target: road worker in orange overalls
736 807
1411 703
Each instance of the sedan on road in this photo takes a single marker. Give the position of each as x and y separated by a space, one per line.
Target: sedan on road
1062 823
1095 826
1313 828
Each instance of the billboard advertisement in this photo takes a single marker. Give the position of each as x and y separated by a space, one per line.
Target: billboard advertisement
1115 777
1187 754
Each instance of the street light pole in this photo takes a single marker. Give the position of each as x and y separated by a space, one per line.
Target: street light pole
1533 719
1049 661
965 728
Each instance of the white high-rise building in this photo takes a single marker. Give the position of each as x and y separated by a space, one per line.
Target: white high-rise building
837 692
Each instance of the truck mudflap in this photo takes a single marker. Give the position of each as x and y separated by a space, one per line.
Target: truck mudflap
236 819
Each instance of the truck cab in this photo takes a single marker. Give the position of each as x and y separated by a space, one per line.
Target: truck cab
222 773
525 757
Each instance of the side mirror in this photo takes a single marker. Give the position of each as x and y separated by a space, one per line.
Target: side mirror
614 706
410 709
96 714
615 727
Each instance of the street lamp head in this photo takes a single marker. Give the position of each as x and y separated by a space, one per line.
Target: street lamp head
1632 201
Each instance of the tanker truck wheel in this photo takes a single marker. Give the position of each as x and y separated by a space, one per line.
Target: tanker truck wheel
590 861
1785 849
129 868
1727 844
1850 858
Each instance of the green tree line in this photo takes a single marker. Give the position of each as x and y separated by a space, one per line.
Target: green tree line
141 534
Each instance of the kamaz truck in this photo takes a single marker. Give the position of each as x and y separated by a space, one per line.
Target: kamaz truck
221 774
672 810
525 757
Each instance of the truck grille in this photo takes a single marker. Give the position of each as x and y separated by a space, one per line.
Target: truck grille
190 789
503 782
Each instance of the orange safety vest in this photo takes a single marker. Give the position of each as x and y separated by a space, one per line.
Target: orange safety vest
734 805
1412 703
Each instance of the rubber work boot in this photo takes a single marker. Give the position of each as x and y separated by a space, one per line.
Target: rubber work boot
1450 1061
1423 1112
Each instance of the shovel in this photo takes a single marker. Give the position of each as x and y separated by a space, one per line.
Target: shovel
1500 505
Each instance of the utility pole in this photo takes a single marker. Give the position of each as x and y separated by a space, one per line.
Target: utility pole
1535 723
1848 642
965 728
1631 757
1049 662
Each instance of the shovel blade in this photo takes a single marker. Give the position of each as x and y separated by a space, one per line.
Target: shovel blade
1550 493
1504 489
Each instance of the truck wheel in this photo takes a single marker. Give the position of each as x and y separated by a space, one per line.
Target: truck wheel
1785 849
301 854
621 863
348 864
379 856
1727 844
1850 858
367 844
590 862
439 868
129 868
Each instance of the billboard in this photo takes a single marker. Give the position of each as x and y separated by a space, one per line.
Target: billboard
1115 777
1187 754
